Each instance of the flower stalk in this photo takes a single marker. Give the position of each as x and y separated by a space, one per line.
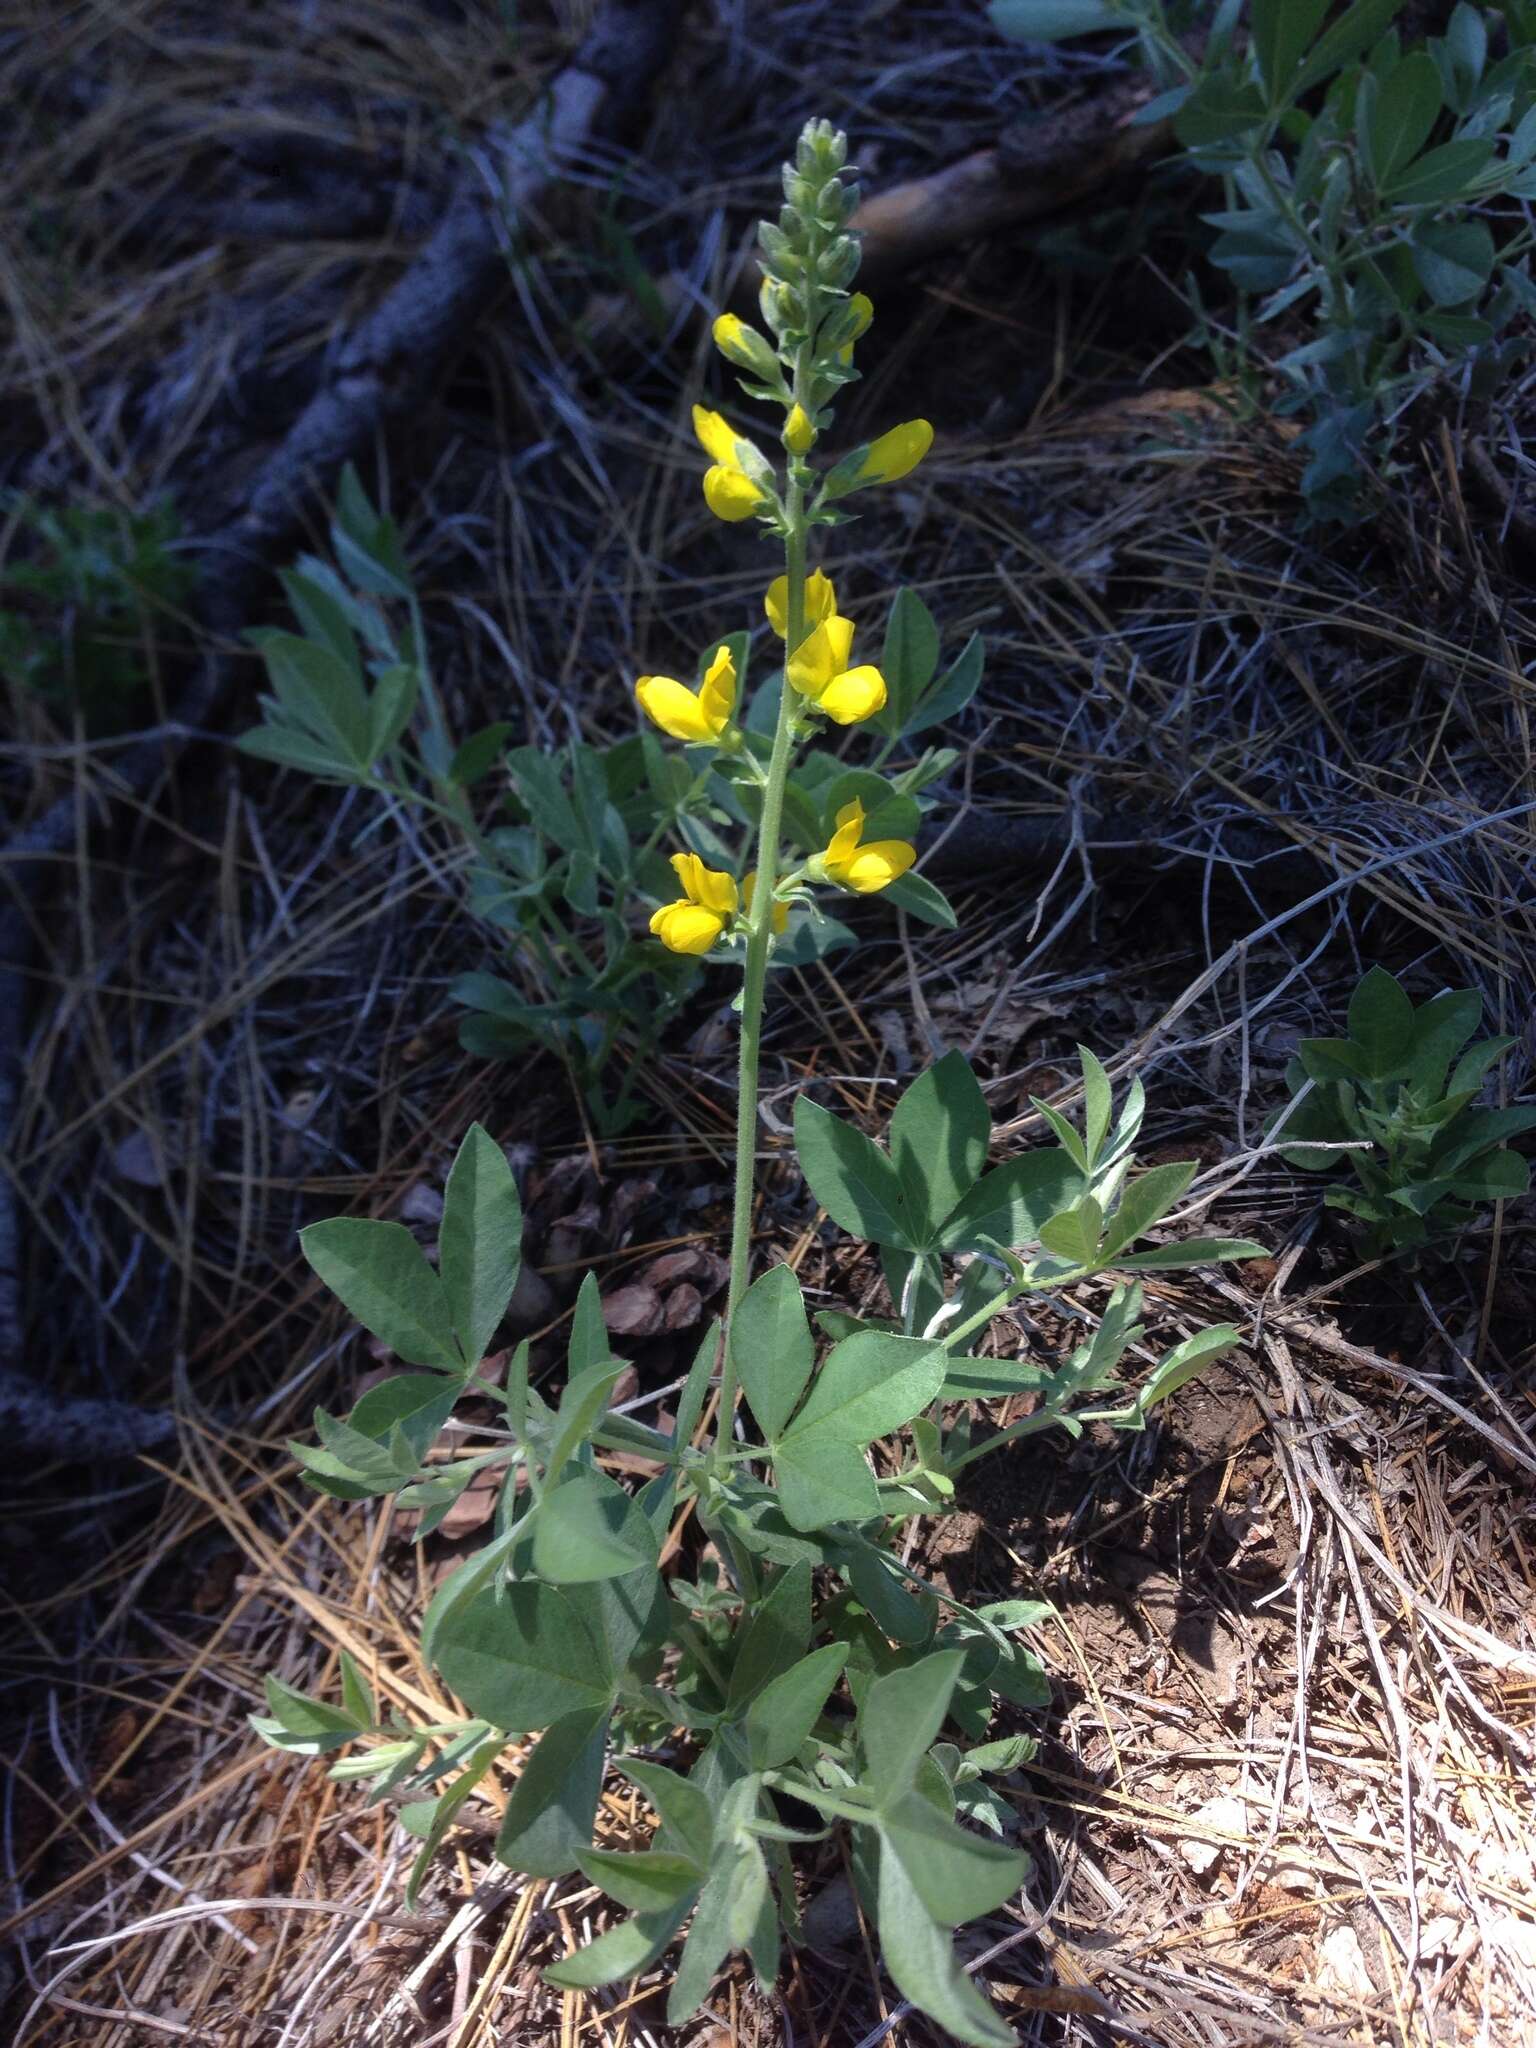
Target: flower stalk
809 259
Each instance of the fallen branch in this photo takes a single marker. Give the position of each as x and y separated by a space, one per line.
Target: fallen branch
392 360
1036 168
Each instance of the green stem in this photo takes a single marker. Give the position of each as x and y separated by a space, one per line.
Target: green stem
759 938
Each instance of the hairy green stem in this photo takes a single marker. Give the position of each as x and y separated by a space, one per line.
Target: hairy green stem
759 938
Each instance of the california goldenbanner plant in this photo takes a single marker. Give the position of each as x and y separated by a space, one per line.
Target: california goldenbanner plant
806 1680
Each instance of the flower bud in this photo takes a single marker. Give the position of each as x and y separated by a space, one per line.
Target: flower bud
776 302
799 431
779 254
844 324
745 347
838 263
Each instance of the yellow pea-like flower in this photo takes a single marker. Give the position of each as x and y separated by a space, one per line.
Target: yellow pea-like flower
820 601
897 453
744 346
858 867
819 669
728 490
779 917
731 494
799 431
709 902
694 716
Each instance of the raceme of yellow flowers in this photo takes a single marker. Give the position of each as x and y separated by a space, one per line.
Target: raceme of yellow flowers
827 682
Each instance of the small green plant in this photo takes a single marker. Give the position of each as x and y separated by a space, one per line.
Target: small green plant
1375 192
1398 1097
80 588
793 1677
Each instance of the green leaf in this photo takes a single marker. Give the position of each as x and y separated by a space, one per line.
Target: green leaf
1358 26
1218 110
918 897
690 1402
952 692
296 1712
880 1586
788 1708
775 1637
626 1617
1194 1251
356 1693
1495 1177
1406 109
549 1818
589 1528
1281 31
446 1810
589 1345
623 1952
852 1179
320 692
390 708
958 1876
771 1348
1098 1104
479 1240
291 749
1148 1198
1449 171
686 1815
922 1963
1051 21
415 1403
1454 259
478 755
1185 1361
908 659
583 1402
709 1938
380 1275
983 1379
900 1719
651 1881
1011 1205
322 614
1075 1234
521 1658
1380 1019
869 1385
938 1139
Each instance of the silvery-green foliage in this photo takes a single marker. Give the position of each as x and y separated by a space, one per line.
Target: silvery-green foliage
1374 190
1395 1104
824 1670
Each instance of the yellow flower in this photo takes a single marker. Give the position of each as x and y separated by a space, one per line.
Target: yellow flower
864 869
780 913
708 904
728 490
745 347
820 601
696 716
731 494
897 453
819 669
799 432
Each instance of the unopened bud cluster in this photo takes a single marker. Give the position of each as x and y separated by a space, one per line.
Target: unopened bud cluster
808 255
